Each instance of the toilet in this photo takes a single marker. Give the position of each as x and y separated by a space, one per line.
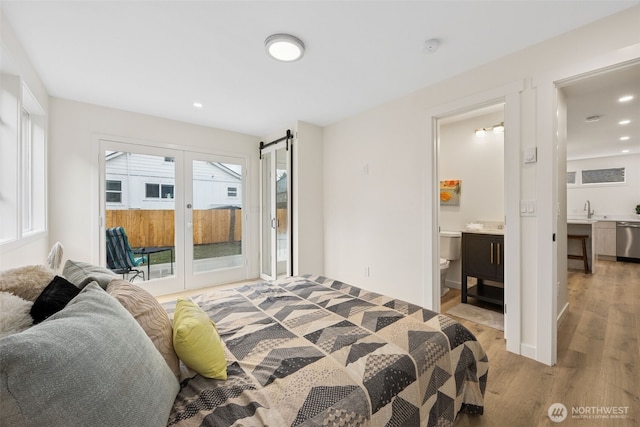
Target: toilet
450 247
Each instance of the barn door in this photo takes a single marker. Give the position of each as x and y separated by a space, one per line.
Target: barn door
275 208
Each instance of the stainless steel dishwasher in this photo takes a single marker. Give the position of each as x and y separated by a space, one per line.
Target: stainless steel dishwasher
628 241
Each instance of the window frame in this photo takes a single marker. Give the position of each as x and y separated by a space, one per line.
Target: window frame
24 160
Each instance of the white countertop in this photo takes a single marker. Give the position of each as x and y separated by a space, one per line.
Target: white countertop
598 218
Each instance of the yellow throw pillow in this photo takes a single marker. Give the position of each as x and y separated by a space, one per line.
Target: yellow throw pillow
196 341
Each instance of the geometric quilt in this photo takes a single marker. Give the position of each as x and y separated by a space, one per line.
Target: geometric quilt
311 351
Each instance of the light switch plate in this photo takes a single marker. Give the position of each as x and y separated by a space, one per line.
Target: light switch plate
530 155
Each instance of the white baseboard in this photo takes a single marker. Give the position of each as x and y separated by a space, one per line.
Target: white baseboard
563 313
528 351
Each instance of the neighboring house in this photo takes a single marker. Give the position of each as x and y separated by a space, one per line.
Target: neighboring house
140 181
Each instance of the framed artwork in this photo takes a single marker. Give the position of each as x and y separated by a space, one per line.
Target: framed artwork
450 192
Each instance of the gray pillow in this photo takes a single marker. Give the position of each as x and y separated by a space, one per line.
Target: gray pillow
90 364
82 273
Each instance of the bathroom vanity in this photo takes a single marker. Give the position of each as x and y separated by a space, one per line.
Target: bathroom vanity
483 259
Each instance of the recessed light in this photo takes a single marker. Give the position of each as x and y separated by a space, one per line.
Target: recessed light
197 104
624 122
624 138
625 98
284 47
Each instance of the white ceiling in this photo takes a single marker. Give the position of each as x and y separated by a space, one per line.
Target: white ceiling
598 96
158 57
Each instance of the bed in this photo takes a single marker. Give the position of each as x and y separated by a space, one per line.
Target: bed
311 351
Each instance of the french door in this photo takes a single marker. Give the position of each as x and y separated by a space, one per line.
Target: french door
275 207
181 212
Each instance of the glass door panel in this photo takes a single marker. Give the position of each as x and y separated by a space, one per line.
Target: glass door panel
267 261
139 192
214 220
282 212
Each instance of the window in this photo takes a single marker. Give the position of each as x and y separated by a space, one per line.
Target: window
114 192
571 177
22 162
232 191
603 176
156 191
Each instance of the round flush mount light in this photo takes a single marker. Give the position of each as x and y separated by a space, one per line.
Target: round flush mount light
284 47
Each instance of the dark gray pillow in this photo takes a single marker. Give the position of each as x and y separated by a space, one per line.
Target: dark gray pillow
90 364
54 297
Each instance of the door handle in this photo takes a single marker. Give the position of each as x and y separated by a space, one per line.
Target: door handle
498 253
273 223
491 253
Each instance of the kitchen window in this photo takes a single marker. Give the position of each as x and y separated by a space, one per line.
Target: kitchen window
603 176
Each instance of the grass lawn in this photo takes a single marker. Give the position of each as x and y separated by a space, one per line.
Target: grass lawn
212 250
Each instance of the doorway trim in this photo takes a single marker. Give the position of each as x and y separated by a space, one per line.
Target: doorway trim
547 87
509 95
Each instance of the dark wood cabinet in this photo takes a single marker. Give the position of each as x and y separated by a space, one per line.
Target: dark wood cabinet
482 258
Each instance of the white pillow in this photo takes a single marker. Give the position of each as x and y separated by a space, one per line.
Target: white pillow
14 314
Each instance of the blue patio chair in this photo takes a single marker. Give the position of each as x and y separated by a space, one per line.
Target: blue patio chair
120 256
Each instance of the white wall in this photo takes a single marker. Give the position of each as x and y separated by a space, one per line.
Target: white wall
606 199
308 196
479 163
73 167
370 220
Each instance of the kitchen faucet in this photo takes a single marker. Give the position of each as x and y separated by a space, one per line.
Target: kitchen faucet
587 207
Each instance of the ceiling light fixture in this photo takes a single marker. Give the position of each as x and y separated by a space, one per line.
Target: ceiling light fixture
284 47
625 151
197 104
625 98
624 138
624 122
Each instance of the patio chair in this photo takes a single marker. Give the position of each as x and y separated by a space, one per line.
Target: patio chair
120 256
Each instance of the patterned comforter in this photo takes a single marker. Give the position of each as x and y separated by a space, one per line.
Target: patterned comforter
310 351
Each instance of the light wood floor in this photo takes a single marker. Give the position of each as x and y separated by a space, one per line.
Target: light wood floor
598 357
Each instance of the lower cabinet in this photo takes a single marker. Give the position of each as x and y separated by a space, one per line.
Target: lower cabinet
605 238
482 258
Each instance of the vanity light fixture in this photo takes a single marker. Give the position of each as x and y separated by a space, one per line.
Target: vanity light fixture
498 128
625 98
284 47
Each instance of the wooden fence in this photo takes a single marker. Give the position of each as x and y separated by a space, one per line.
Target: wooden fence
153 228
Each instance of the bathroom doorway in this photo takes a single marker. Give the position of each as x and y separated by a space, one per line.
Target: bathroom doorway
471 180
509 96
